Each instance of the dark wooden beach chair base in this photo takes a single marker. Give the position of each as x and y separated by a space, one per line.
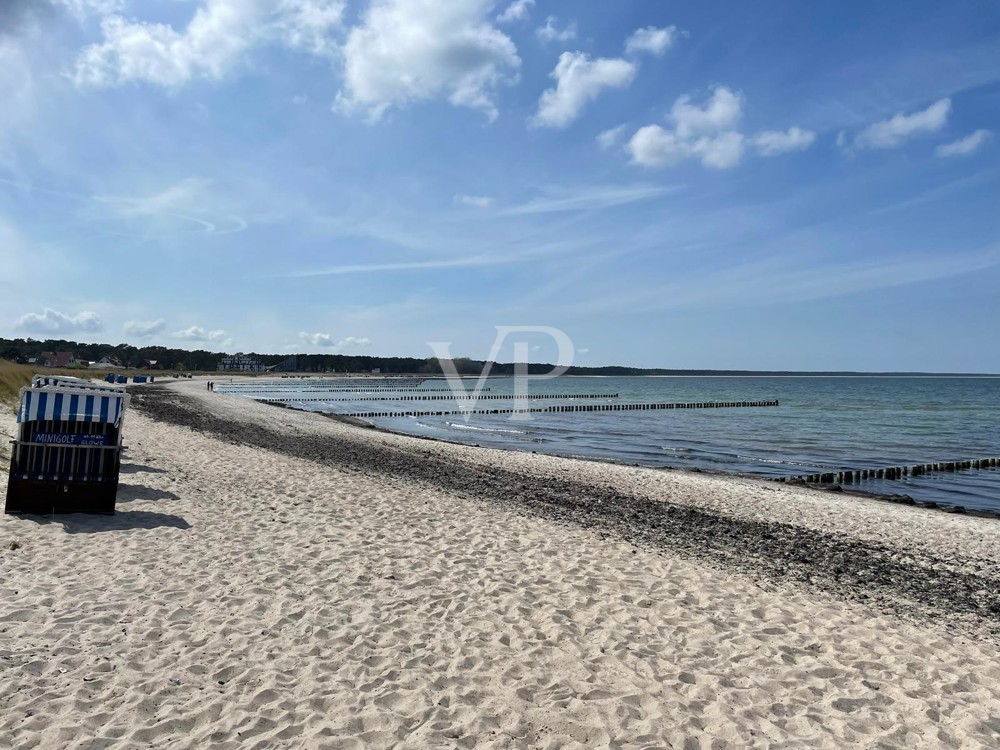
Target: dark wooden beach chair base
39 496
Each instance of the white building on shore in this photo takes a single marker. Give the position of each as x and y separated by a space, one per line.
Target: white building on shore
241 363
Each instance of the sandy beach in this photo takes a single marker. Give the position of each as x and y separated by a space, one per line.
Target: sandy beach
275 578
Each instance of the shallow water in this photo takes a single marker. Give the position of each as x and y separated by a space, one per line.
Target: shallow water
822 424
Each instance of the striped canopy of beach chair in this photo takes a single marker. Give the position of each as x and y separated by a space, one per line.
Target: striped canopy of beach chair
65 381
62 404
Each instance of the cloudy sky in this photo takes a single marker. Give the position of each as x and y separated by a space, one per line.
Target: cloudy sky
677 184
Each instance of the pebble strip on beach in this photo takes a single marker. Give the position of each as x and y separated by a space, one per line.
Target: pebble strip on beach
902 580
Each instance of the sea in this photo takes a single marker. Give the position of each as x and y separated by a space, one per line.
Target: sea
822 424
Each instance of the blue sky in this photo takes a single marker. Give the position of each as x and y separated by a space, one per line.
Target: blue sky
726 185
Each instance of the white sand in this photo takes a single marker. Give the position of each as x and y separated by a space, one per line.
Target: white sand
242 598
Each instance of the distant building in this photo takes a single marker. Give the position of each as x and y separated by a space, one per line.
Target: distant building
241 363
149 364
57 359
106 363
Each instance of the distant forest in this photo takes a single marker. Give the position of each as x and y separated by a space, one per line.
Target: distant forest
20 350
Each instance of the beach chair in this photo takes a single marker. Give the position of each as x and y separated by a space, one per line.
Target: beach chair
66 381
66 457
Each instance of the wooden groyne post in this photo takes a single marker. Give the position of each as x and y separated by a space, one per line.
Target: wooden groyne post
239 391
855 476
563 409
455 397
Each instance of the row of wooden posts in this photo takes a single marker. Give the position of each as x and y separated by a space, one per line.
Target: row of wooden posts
455 397
561 409
894 472
240 391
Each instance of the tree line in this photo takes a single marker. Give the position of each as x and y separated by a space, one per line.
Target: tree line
20 350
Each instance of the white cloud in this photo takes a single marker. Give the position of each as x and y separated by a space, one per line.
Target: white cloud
892 132
653 146
775 142
408 50
550 33
516 11
52 321
709 132
475 201
721 151
578 81
608 138
326 340
703 132
722 111
965 146
651 39
307 24
215 40
144 328
197 333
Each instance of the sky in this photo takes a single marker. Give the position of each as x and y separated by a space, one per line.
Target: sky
768 185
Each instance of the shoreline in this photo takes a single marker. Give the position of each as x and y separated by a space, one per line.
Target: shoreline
894 498
347 376
774 550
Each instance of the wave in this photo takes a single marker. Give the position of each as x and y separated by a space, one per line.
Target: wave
458 426
757 459
427 426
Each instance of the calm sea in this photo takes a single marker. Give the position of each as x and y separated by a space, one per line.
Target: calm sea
823 424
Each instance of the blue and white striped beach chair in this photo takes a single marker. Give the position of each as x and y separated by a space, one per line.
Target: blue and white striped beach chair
66 381
67 455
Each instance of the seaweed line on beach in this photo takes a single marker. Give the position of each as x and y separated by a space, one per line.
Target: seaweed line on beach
908 582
